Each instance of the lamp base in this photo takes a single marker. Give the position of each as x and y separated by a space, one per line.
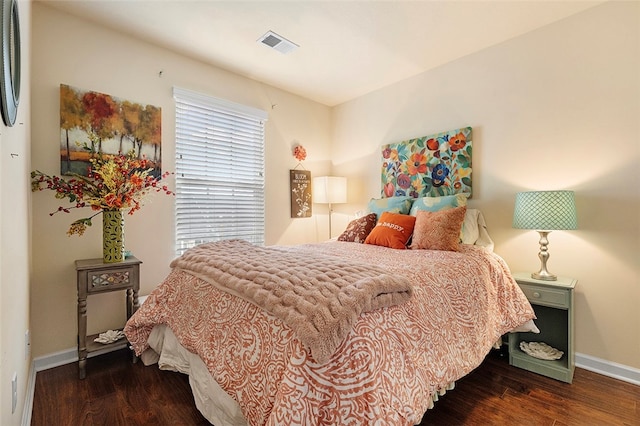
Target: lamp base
544 275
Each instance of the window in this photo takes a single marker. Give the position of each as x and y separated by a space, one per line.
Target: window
219 171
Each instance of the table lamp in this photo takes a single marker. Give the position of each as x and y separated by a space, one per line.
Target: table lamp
545 211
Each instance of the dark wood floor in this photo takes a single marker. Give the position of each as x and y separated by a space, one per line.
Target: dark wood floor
117 392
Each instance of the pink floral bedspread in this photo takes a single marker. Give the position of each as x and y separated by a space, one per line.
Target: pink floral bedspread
386 370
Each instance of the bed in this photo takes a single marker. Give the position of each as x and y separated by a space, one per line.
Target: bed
389 331
247 367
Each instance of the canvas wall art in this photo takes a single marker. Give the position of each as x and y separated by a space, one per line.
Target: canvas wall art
434 165
93 123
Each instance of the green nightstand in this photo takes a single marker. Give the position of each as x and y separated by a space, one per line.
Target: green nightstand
553 304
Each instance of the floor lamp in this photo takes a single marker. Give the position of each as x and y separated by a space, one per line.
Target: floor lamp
329 190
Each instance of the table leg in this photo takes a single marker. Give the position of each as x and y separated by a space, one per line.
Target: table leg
82 337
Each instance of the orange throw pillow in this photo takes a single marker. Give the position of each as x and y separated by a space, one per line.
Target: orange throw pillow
438 230
393 230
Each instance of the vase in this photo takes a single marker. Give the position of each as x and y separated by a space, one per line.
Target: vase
112 236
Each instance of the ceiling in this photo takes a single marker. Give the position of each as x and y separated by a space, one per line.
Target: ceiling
347 48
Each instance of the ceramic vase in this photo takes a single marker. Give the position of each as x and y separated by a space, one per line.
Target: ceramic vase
112 236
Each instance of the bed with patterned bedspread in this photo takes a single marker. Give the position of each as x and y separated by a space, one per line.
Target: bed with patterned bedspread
386 368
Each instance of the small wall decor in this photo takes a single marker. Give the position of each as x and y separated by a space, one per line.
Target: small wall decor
299 153
434 165
300 184
94 123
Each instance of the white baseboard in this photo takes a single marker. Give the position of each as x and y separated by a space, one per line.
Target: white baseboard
28 400
55 359
597 365
52 360
46 362
608 368
67 356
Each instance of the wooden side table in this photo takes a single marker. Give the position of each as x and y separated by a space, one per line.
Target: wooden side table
553 305
94 277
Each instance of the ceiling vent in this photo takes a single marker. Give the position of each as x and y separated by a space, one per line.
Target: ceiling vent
277 42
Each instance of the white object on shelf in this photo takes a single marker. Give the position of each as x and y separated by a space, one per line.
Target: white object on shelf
541 350
109 336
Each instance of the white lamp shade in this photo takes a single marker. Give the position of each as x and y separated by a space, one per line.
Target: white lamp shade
329 190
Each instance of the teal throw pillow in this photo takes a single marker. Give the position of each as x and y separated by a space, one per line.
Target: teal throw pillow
401 205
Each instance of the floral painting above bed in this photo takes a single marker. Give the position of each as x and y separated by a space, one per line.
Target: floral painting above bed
433 165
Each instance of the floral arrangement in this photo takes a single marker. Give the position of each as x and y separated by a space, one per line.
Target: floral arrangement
299 153
117 182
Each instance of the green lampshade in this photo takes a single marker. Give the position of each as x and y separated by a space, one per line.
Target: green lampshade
545 210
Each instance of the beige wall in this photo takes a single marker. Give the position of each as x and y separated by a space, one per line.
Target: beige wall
558 108
77 53
15 157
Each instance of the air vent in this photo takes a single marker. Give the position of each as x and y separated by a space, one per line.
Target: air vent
277 42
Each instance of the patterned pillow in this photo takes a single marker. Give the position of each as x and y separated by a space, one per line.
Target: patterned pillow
434 204
438 230
400 205
358 229
393 230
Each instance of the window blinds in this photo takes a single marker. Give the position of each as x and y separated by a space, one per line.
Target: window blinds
219 170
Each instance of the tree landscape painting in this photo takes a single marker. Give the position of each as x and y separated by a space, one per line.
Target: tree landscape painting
95 124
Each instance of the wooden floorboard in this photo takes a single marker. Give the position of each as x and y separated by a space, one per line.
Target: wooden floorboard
117 392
